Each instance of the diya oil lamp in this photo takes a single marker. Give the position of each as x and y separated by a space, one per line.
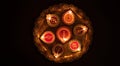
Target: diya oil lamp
74 45
64 34
80 30
52 20
57 50
48 37
68 17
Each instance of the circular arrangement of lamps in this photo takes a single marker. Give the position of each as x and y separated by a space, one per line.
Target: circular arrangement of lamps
62 34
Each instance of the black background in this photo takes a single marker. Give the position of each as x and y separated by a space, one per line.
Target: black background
20 49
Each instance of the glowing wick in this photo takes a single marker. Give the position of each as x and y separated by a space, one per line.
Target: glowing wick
56 55
70 12
48 17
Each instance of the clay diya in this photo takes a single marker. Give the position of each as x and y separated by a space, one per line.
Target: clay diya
80 30
68 17
48 37
52 20
74 45
57 50
63 34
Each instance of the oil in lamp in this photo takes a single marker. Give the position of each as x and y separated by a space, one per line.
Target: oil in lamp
80 30
63 34
48 37
68 17
52 20
57 50
74 45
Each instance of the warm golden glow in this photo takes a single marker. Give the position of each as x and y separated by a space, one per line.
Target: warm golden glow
79 49
44 48
70 12
61 33
79 16
68 17
65 39
84 28
68 56
56 55
42 37
48 17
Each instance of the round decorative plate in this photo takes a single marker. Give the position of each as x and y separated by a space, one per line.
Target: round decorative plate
62 33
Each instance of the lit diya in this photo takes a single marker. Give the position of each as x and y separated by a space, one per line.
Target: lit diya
80 29
63 34
48 37
74 45
68 17
59 36
52 20
57 50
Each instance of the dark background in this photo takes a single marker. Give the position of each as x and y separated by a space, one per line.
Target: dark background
20 48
